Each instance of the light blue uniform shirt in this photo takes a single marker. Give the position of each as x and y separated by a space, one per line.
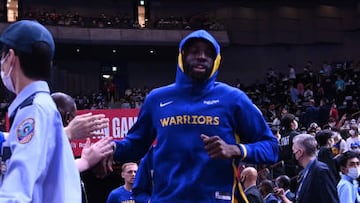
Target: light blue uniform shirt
347 189
42 167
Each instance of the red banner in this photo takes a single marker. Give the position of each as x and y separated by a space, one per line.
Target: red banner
120 121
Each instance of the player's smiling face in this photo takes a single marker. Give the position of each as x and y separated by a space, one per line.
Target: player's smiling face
198 58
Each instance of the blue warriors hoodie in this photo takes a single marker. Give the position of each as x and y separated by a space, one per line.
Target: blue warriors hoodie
176 115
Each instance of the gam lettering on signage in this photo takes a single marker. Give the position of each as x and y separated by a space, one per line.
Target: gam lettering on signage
120 122
119 127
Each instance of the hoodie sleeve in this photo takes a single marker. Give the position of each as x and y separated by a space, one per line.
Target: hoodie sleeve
139 138
257 142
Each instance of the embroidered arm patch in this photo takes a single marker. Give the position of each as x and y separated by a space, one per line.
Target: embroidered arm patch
25 130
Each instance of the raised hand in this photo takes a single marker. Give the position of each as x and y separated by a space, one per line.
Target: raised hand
92 154
86 125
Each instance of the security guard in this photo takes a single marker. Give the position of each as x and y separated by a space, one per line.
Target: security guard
41 167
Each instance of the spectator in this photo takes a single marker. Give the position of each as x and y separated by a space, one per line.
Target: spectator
324 112
347 188
283 182
325 141
354 139
334 112
316 181
248 180
288 125
292 72
339 143
266 189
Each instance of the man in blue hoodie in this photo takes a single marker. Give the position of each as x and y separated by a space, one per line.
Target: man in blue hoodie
203 129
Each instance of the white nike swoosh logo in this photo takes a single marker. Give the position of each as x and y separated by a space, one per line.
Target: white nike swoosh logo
211 102
165 104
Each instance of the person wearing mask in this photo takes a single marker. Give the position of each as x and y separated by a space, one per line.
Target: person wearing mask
248 180
288 126
122 194
39 156
347 187
316 183
354 138
339 143
325 141
198 132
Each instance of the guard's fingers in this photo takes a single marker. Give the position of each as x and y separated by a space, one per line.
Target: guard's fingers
104 141
85 115
101 126
108 152
96 134
101 120
96 117
87 143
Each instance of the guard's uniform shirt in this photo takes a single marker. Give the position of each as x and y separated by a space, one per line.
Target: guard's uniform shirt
41 167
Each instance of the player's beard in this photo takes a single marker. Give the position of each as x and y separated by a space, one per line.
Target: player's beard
198 72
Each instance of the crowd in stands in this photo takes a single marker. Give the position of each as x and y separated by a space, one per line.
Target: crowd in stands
321 103
189 23
122 21
108 99
75 19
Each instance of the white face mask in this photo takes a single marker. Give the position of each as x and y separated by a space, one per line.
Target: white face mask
354 172
332 124
6 79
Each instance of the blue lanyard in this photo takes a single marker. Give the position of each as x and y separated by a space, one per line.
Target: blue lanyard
307 169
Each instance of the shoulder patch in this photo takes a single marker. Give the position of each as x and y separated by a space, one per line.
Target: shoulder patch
25 130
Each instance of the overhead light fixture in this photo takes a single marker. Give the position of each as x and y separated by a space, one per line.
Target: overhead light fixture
106 76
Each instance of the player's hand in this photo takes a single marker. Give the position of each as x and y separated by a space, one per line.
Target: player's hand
86 125
104 167
92 154
218 148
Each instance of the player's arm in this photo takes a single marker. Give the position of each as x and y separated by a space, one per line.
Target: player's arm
258 144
